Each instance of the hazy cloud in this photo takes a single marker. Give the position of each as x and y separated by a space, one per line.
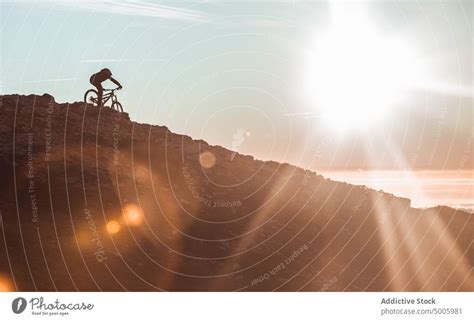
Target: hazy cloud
133 8
106 60
50 80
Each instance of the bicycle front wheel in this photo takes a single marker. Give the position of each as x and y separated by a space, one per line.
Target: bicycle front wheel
117 106
91 97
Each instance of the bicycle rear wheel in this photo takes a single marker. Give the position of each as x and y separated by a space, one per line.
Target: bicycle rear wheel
117 106
91 97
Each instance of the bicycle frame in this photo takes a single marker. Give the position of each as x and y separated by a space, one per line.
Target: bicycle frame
108 94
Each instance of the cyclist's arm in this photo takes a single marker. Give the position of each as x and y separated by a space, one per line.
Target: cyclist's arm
115 82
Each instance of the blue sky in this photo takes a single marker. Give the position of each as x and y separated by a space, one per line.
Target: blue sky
209 68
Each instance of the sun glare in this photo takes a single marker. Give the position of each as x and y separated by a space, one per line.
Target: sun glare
356 75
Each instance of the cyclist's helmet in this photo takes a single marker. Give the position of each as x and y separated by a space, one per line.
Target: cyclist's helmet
106 71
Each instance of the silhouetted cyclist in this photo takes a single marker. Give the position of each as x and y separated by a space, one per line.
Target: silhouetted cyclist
98 78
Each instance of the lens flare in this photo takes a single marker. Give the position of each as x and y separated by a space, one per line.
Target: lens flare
133 215
207 159
113 227
6 285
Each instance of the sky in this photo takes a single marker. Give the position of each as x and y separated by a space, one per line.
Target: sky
236 74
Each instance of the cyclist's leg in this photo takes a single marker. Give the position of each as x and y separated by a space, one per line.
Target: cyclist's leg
100 91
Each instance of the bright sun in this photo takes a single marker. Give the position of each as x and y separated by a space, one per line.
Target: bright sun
357 75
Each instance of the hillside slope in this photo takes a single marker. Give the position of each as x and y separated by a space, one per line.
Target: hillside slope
93 201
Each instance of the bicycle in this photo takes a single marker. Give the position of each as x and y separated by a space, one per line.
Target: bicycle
91 97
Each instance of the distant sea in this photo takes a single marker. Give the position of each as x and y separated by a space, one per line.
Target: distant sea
453 188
